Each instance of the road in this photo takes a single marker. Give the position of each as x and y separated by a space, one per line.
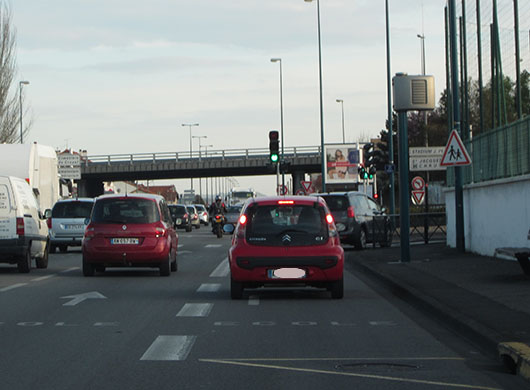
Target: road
132 329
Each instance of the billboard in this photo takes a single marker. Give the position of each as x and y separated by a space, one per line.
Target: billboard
341 162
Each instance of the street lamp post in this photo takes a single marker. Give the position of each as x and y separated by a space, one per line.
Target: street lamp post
321 100
342 106
199 138
20 84
206 155
190 125
281 115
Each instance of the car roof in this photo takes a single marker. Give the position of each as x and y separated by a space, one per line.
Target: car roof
137 196
176 205
75 200
307 199
343 193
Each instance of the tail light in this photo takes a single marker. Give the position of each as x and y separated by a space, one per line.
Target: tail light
331 226
160 232
49 223
89 233
20 226
329 219
351 212
185 216
242 227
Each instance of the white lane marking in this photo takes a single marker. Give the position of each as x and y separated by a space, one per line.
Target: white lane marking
213 246
222 270
13 286
209 287
169 348
42 278
70 270
195 310
183 252
180 245
78 298
253 300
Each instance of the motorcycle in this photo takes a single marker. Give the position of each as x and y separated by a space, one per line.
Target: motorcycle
217 222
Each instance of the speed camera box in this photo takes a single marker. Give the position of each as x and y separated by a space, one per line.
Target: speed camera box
413 93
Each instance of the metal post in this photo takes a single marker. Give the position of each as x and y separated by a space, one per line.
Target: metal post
404 195
20 84
479 53
465 84
191 150
392 199
517 59
459 191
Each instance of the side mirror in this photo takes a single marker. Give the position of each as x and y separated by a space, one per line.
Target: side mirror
87 221
228 228
47 214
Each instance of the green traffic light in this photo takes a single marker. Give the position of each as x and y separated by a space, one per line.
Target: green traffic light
274 157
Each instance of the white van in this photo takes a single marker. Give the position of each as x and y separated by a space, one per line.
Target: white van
23 230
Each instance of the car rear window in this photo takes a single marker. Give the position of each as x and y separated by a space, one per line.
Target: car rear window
129 210
269 225
337 203
72 209
177 211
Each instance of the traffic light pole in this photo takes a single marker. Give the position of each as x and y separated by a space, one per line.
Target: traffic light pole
404 196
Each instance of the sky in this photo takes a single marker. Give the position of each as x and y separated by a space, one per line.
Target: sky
122 76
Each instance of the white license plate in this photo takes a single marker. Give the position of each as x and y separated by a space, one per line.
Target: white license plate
121 241
74 227
287 273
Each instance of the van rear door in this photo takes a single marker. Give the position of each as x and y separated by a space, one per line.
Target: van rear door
8 218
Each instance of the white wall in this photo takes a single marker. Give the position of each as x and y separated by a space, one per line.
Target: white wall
496 214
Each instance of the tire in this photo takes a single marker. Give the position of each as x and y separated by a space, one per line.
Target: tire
174 264
24 263
198 226
42 262
100 268
52 249
236 289
360 241
165 268
188 228
63 248
88 269
219 232
337 289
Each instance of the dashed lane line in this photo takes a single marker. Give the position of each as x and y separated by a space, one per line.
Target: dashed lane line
70 270
253 300
209 287
222 269
13 286
174 348
42 278
213 246
195 310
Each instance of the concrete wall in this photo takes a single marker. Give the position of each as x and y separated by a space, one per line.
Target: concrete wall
496 214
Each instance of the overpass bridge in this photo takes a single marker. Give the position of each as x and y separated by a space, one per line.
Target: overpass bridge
180 165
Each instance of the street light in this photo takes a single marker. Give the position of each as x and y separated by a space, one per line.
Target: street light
281 115
20 84
206 146
190 126
199 137
342 105
321 101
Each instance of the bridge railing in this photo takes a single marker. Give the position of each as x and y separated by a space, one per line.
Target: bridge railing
292 151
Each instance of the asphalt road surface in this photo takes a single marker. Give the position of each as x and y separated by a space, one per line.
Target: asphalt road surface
132 329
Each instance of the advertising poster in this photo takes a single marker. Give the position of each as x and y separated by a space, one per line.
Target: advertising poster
341 163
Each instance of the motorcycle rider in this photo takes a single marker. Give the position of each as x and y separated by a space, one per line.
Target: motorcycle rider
216 208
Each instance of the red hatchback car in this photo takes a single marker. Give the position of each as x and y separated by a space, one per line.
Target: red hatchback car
130 231
284 241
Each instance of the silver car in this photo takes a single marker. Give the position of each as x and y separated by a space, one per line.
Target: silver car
203 214
67 222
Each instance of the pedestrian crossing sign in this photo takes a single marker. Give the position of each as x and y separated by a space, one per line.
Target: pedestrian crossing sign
455 152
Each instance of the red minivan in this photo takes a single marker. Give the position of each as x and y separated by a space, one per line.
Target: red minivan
130 231
286 241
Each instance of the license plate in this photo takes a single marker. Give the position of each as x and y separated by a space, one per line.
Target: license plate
74 227
122 241
179 221
287 273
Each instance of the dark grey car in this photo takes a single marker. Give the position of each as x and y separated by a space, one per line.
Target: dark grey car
359 219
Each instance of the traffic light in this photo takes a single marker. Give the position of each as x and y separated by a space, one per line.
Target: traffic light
368 150
363 174
371 172
274 145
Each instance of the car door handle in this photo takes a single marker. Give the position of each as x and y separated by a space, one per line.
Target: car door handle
28 215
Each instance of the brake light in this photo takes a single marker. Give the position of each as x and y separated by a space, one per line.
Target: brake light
185 216
49 223
20 226
159 232
351 212
286 202
89 233
329 219
242 219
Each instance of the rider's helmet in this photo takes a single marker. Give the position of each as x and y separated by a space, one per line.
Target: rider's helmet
218 198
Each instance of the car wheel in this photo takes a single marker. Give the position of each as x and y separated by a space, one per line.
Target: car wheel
236 289
337 289
42 262
188 228
100 268
88 269
360 241
52 249
63 248
24 263
387 241
165 268
198 226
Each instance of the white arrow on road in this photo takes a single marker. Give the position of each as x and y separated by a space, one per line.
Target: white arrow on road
81 297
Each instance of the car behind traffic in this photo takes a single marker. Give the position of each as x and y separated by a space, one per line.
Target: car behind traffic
67 222
282 241
181 218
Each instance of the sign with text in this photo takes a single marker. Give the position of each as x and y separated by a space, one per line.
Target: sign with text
426 158
68 160
72 173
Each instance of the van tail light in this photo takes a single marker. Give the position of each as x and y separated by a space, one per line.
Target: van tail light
351 213
49 223
20 226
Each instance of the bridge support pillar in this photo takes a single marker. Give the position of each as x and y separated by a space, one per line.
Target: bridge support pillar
89 188
298 176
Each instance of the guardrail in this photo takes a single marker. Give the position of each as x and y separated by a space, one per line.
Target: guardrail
200 155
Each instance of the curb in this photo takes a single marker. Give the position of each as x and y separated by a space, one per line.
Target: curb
516 356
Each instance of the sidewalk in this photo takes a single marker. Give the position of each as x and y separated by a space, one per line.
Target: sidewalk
485 299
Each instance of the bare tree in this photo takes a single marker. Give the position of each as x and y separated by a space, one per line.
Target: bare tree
10 100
